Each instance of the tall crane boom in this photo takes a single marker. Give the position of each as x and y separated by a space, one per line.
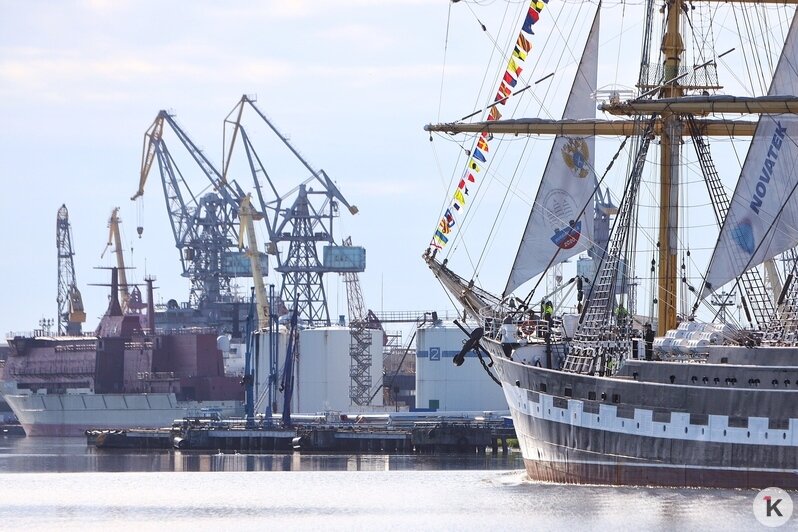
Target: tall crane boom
70 303
246 217
115 240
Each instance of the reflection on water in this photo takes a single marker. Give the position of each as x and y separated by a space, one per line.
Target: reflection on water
62 484
59 455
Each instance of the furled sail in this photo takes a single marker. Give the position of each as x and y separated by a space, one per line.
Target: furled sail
560 224
763 217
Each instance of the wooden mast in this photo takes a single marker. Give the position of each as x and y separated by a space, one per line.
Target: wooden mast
670 154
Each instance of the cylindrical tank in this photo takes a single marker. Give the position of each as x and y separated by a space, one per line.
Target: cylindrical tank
440 385
324 366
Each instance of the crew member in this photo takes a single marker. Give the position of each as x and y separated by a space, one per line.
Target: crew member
648 336
548 310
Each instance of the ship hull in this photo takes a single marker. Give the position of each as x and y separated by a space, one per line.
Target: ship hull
566 438
73 414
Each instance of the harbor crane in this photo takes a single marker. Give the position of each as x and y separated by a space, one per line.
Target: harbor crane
204 219
297 221
302 218
71 314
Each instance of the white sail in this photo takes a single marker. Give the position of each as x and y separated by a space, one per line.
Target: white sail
763 216
561 221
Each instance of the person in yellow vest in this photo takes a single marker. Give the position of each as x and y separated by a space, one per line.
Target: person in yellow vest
548 310
620 315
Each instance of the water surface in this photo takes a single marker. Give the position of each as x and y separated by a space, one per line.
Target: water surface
61 484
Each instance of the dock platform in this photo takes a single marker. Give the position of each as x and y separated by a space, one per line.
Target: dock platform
432 436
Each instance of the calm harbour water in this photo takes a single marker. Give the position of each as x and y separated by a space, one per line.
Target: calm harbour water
61 484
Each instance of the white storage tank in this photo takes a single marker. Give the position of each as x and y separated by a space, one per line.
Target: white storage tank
323 370
440 385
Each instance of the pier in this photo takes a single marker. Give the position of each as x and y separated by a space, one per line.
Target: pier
439 435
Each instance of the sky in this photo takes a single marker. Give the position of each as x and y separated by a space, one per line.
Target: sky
351 83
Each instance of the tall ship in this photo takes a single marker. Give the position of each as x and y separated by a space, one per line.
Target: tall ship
124 375
623 388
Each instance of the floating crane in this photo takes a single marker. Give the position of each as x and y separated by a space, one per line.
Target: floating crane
71 315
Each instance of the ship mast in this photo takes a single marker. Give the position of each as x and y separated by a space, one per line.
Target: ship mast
670 153
661 96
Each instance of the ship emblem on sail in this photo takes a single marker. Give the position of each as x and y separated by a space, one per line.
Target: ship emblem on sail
562 214
743 234
568 236
576 156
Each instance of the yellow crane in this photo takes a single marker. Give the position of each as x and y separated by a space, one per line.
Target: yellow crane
246 217
114 239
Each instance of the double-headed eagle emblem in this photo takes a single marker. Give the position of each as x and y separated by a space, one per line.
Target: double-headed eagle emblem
575 154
